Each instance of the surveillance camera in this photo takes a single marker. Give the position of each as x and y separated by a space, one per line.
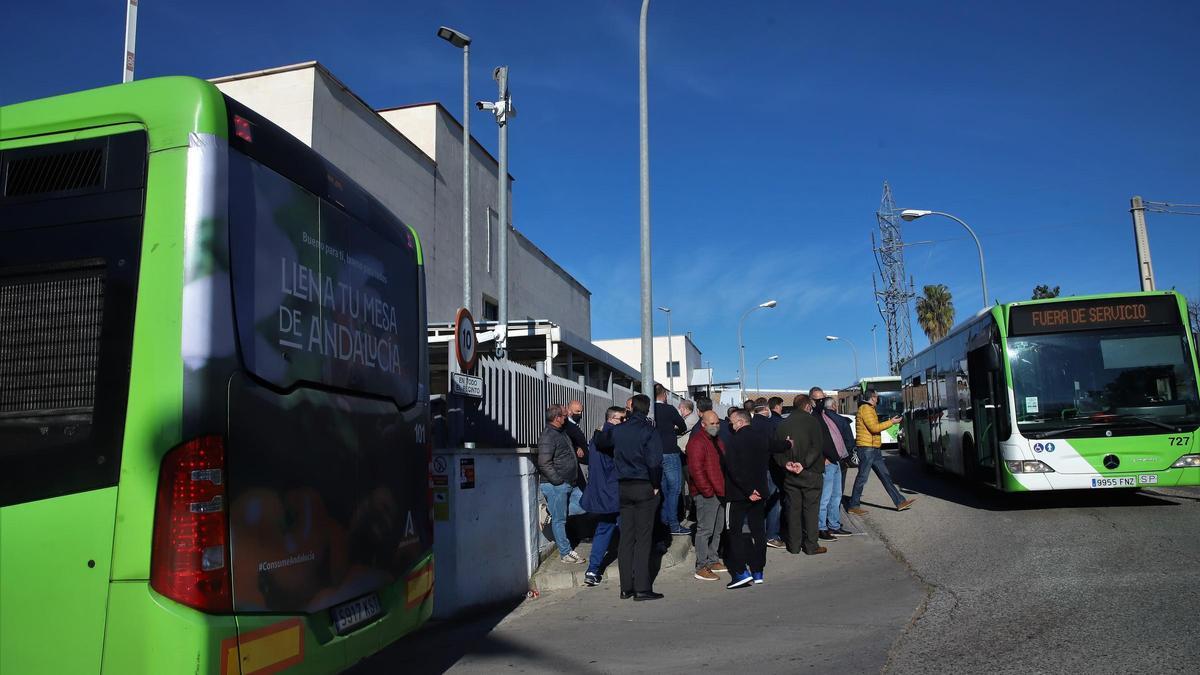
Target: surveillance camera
485 105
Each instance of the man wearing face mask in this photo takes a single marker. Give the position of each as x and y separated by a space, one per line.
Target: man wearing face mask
836 441
707 485
579 443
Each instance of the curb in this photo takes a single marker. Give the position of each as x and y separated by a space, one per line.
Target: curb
555 575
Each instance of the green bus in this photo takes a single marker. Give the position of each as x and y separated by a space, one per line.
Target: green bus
888 388
213 394
1060 394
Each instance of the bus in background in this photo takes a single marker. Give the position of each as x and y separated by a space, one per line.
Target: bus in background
213 394
1064 393
889 405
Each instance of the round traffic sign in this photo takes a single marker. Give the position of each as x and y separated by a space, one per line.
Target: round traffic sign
465 346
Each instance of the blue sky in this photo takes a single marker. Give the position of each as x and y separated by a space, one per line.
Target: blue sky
773 127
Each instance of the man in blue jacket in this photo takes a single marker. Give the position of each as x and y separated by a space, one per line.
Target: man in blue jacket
601 495
638 458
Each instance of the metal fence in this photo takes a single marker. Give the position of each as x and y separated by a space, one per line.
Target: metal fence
513 409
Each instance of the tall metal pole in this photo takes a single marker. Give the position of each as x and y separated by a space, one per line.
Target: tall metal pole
742 346
758 373
644 147
466 177
1142 242
854 350
130 39
501 77
979 247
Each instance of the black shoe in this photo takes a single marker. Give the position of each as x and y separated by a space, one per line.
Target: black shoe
625 595
591 579
824 534
843 532
647 595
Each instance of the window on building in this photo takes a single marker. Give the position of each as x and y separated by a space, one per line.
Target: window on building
493 221
491 309
672 369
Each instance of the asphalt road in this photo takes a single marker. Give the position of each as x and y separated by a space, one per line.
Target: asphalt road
838 612
967 581
1091 582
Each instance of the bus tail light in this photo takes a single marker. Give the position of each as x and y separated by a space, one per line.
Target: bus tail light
1028 466
1187 462
189 562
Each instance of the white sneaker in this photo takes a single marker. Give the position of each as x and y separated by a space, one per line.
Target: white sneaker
572 558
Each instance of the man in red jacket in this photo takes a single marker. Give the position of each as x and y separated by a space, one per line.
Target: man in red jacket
707 483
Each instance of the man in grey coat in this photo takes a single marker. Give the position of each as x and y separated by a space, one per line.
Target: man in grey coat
558 470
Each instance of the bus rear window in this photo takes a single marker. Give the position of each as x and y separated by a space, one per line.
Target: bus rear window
320 297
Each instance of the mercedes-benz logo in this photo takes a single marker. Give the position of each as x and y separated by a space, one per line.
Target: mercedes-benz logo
1111 462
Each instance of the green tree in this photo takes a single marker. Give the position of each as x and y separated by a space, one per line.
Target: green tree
1194 315
935 312
1042 292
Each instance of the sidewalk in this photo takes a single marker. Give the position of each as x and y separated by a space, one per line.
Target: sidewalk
555 575
840 612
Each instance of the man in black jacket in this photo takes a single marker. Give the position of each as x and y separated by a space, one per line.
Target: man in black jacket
804 466
745 465
670 426
638 458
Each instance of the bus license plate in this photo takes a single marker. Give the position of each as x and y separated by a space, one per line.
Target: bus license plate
355 613
1117 482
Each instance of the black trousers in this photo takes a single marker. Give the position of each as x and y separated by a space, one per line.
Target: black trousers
639 508
803 502
745 550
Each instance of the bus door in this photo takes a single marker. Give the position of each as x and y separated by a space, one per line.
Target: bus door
983 368
935 416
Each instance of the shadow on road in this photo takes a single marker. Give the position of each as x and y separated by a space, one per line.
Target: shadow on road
911 478
439 645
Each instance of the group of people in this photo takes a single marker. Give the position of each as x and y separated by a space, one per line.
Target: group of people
755 479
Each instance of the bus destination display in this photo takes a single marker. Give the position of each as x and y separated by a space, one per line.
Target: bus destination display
1092 314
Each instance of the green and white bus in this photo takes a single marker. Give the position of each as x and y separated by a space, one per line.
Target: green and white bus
1066 393
213 394
889 405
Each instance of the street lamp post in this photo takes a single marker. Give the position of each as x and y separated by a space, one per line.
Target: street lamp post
463 41
853 349
742 347
670 354
644 168
910 215
757 370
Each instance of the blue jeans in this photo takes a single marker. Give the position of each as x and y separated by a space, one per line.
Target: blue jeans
774 506
672 483
871 459
829 515
606 526
575 506
557 499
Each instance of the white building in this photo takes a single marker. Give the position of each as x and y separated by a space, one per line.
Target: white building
410 158
675 361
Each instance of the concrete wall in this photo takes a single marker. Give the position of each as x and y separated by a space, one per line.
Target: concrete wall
284 97
682 349
488 549
411 159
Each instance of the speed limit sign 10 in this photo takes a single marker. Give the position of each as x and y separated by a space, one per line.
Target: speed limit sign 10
465 346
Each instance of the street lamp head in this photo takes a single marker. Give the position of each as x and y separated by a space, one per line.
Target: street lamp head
831 338
910 215
454 37
769 304
665 309
774 357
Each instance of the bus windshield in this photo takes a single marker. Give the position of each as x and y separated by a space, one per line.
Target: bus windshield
1138 375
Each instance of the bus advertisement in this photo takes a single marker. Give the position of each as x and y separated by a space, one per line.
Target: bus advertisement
213 394
888 388
1065 393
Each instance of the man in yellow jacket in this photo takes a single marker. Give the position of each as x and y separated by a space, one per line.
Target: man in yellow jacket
867 430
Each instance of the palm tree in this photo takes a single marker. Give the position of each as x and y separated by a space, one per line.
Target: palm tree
935 312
